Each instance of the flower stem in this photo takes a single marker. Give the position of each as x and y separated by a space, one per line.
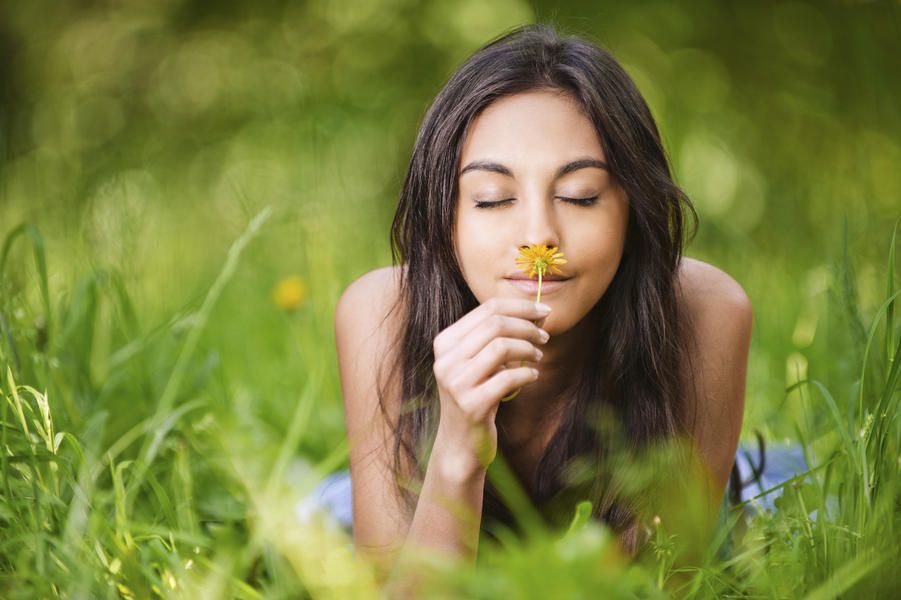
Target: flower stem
522 362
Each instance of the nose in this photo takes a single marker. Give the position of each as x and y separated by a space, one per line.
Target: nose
541 226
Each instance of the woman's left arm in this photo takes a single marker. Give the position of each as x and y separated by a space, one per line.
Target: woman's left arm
721 320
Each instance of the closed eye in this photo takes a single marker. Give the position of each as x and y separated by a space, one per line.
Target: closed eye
580 201
493 204
498 203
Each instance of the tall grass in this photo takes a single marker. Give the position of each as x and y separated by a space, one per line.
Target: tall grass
130 470
836 528
139 483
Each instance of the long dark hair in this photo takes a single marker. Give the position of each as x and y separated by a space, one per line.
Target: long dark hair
632 367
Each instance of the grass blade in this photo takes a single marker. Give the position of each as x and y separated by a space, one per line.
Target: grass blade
871 335
40 259
889 290
173 385
845 577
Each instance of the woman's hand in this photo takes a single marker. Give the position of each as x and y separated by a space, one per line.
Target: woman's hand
469 370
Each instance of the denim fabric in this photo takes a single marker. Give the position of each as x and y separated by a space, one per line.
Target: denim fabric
333 497
781 464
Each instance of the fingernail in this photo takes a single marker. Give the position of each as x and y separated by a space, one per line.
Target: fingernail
544 309
534 373
544 335
539 354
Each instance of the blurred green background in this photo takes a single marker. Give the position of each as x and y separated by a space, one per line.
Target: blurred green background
141 137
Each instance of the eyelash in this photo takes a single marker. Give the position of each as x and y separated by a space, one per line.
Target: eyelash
577 201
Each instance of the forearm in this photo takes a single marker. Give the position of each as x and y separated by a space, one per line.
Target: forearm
448 513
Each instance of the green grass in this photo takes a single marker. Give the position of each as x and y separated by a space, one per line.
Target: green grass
134 466
161 415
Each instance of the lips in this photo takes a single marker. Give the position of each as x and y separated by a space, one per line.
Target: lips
530 286
524 277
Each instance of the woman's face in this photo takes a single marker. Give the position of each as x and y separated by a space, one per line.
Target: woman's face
539 160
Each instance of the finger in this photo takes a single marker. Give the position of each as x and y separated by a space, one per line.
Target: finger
506 382
498 326
492 358
513 307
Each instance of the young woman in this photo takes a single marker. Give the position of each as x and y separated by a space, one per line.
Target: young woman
536 139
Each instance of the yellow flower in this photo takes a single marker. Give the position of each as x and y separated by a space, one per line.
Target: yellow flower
539 259
290 293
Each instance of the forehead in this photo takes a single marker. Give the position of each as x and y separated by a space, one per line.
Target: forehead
531 127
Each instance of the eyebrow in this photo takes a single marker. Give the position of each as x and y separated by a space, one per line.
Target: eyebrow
493 167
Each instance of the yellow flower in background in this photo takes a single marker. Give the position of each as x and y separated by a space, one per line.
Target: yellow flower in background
290 293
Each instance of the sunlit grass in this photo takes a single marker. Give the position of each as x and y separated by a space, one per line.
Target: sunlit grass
157 475
163 411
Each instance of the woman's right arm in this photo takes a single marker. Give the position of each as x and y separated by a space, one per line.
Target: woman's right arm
469 357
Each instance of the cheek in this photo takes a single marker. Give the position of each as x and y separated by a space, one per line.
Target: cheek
600 246
602 238
603 271
600 252
474 253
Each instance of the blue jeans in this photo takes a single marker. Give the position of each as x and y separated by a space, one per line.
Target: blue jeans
333 494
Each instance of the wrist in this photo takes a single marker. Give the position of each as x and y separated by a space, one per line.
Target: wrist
454 462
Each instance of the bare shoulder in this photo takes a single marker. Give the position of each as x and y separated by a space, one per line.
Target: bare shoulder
721 320
369 294
704 287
